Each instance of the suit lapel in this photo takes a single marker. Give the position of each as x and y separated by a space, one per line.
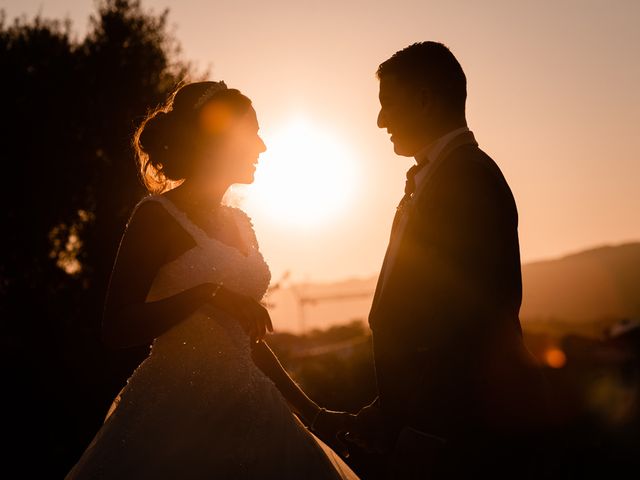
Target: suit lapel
465 138
376 295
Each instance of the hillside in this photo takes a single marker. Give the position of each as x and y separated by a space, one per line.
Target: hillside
592 285
598 283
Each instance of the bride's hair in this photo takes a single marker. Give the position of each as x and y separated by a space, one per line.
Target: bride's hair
167 140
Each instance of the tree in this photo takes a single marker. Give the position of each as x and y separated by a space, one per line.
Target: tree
70 182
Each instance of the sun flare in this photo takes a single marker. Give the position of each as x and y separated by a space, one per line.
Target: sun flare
305 178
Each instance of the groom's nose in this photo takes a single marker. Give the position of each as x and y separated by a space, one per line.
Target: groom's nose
381 120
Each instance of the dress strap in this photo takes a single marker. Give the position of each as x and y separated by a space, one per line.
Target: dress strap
191 228
235 215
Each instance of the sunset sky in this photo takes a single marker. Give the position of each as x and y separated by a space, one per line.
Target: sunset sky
553 97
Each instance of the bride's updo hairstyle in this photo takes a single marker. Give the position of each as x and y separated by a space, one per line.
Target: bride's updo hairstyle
169 140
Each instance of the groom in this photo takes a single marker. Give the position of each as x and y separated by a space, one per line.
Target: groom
459 394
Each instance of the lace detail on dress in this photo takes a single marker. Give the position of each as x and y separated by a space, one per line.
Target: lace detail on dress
212 260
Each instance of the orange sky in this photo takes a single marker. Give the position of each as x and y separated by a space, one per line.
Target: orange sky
553 98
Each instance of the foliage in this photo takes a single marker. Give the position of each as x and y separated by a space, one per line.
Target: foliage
70 109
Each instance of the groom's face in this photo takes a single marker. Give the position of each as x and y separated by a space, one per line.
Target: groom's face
402 114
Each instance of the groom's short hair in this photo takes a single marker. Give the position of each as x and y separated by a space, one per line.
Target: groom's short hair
430 64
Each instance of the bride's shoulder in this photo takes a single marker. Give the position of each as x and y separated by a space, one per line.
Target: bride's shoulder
149 210
240 214
244 220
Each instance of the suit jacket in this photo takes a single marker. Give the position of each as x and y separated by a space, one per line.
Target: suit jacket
447 340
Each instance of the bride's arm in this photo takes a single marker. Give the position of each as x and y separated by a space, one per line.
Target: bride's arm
128 320
138 323
267 361
327 423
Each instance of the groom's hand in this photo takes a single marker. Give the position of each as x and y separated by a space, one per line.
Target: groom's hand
331 426
368 431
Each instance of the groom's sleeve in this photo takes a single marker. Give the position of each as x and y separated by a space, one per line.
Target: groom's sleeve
468 254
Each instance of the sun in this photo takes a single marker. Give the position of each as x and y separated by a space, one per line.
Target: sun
305 178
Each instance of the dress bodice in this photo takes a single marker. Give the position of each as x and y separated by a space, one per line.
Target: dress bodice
211 260
198 407
209 342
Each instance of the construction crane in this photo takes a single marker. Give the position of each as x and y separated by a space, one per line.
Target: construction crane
304 300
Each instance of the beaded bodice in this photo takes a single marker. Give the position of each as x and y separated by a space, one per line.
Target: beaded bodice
211 260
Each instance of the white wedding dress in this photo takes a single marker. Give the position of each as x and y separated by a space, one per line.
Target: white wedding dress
198 407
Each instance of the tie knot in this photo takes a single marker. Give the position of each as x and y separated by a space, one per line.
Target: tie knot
410 186
413 170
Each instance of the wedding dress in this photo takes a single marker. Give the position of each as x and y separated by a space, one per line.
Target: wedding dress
198 407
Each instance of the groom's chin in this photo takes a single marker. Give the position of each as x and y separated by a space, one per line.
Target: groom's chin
398 147
402 151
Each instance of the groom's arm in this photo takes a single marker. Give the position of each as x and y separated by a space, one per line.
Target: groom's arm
468 249
464 285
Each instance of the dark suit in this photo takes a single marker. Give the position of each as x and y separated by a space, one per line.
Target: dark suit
448 347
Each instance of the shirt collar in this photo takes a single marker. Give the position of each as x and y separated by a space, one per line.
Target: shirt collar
432 150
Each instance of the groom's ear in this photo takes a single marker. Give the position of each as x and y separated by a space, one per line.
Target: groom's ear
425 98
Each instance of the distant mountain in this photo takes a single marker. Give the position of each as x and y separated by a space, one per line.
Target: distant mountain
600 283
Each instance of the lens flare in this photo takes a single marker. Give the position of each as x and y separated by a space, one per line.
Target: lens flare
215 118
555 358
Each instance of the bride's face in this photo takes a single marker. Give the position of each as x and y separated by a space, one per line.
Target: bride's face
235 156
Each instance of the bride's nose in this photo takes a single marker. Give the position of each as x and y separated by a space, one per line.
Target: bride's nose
262 145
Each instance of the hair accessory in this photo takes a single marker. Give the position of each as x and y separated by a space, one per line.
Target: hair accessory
210 92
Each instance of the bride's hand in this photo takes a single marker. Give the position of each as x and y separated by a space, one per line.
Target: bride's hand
253 316
330 426
256 321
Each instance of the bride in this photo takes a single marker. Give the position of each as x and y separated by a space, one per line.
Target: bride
189 277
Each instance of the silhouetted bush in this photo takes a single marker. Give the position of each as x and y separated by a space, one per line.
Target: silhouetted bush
69 109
